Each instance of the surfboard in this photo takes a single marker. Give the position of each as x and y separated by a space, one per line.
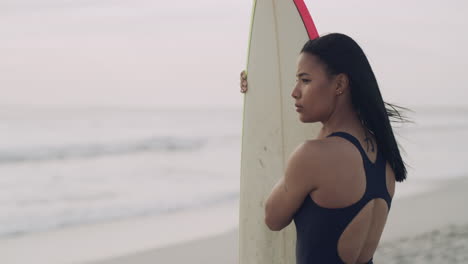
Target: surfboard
271 128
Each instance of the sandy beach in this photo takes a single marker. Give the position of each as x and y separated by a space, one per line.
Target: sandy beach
107 240
429 227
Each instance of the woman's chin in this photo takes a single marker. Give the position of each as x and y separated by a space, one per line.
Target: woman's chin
304 119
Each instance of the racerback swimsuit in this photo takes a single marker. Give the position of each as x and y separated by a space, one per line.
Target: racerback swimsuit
319 229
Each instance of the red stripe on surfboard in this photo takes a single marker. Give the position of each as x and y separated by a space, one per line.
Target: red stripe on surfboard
306 18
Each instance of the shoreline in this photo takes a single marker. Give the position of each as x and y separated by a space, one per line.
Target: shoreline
84 243
210 234
410 217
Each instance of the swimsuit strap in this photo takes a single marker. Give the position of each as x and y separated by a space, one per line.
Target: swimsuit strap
358 145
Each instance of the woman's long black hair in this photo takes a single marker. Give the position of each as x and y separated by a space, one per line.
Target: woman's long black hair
341 54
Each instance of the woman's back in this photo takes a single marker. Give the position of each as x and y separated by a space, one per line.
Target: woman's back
342 220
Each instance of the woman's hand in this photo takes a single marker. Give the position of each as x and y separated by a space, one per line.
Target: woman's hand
243 81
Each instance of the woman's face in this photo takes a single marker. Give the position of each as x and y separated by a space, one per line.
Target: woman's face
314 92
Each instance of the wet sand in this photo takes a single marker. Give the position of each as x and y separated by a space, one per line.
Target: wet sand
430 227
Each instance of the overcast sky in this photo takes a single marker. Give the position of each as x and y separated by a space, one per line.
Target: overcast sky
156 53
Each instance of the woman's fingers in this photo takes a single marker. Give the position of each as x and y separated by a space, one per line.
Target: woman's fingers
243 78
243 74
243 88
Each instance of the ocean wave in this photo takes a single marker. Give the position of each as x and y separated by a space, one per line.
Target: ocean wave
91 150
18 226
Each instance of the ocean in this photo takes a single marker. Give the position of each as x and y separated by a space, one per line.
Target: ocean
72 166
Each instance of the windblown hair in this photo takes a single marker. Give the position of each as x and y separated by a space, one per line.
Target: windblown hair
341 54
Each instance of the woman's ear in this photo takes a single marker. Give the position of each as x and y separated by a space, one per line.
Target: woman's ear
342 83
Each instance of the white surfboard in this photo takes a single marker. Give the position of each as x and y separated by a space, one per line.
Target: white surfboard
271 126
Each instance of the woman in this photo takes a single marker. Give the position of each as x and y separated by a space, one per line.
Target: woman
339 186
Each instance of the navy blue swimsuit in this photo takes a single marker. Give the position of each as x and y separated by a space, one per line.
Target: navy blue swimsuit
319 229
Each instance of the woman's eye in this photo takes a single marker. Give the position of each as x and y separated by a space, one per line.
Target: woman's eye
305 80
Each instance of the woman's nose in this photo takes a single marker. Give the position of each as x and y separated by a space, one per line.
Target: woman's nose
294 93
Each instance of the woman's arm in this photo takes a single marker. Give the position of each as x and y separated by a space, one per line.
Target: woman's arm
291 190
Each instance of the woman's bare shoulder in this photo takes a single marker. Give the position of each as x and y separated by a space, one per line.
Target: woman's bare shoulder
317 151
322 146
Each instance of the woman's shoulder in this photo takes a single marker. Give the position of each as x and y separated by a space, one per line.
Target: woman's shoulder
323 146
317 158
318 151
